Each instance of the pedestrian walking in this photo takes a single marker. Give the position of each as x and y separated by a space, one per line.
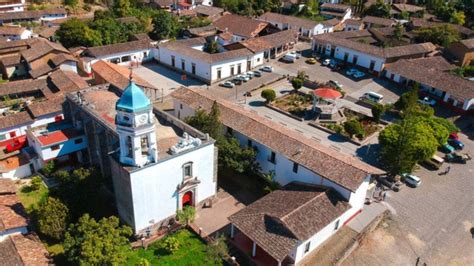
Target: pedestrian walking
448 169
417 261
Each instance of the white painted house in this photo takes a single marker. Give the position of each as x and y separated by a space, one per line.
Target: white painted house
157 163
305 27
33 16
12 6
291 158
15 33
125 54
339 11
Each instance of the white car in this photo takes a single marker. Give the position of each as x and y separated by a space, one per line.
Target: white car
298 55
267 69
326 62
427 101
227 84
412 180
244 78
250 74
358 75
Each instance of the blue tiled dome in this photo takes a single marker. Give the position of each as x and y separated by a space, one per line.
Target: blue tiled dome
133 99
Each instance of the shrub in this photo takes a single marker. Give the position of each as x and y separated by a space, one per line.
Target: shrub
48 169
171 244
269 95
186 215
377 112
52 218
36 183
297 83
353 127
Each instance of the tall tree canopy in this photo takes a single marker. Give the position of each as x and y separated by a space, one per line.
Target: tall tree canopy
443 35
165 26
75 32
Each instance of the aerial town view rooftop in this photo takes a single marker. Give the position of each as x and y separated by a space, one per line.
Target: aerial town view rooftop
182 132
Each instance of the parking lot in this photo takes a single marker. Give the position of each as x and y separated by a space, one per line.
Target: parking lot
432 222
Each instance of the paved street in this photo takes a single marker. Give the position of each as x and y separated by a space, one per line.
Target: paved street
432 222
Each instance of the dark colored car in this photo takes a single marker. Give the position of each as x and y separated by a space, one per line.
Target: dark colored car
457 144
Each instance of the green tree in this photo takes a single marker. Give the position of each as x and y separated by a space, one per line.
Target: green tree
443 35
75 32
71 3
269 95
458 17
398 31
233 157
122 8
405 143
105 242
377 112
213 125
186 215
297 83
313 6
53 218
144 262
48 168
408 100
165 26
211 47
217 249
171 244
36 183
379 9
354 127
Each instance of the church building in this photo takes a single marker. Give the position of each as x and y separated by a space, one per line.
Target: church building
158 164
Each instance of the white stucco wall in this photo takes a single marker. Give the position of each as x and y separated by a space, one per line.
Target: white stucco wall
20 172
137 56
154 188
19 130
69 66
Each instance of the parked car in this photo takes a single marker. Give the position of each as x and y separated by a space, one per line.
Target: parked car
454 135
311 61
249 74
358 74
236 81
296 54
411 179
257 73
243 78
326 62
446 148
333 64
427 101
457 158
386 182
227 84
351 71
457 144
373 96
267 69
434 162
290 58
336 84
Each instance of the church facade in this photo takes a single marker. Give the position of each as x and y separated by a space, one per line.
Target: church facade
158 164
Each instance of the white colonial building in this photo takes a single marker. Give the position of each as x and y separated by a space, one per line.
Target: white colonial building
305 27
158 164
332 185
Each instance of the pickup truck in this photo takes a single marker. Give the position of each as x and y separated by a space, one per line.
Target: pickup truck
427 101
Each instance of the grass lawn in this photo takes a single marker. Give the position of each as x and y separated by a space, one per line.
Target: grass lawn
31 198
191 252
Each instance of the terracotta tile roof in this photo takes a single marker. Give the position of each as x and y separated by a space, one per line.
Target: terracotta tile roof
203 31
426 71
281 220
14 162
117 48
7 186
209 11
9 254
271 40
57 137
117 75
469 43
48 32
11 30
41 47
291 20
342 169
61 58
35 14
408 8
164 3
52 105
13 46
11 60
67 81
335 7
12 213
184 47
356 22
240 25
12 120
30 250
378 21
331 22
340 39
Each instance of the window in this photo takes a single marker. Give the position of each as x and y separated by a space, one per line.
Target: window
126 58
78 141
12 134
187 170
372 65
115 60
129 147
193 68
219 73
336 225
55 147
239 68
307 246
295 167
144 145
232 70
354 59
272 157
172 61
183 64
58 118
181 106
145 54
249 143
2 137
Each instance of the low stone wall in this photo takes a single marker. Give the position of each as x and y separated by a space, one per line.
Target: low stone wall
284 112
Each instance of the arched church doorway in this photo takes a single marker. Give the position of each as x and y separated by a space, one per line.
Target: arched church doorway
187 199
